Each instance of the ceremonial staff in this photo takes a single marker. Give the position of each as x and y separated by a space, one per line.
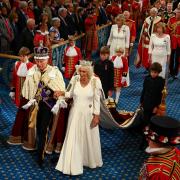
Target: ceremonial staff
162 107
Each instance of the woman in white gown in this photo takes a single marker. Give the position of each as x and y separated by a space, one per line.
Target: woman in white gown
82 142
160 48
119 38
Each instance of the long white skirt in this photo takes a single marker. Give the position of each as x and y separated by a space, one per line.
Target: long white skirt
82 144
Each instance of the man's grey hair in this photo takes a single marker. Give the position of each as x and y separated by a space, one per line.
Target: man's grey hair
62 10
30 20
23 4
154 10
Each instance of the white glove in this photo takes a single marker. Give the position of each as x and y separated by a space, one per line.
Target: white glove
63 69
60 103
55 109
123 80
131 44
12 95
29 104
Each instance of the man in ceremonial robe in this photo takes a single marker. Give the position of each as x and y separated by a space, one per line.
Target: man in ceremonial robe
173 29
39 92
147 29
132 27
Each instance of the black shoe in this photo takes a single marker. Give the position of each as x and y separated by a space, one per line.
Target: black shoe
40 162
54 160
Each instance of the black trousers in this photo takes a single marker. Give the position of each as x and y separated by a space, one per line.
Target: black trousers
44 118
174 61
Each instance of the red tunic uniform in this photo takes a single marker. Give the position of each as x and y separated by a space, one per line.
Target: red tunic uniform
127 6
70 60
162 167
41 38
30 13
136 15
18 81
119 69
91 38
147 29
173 29
113 9
145 7
132 27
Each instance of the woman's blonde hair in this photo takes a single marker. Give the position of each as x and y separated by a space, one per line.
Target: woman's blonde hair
161 25
120 17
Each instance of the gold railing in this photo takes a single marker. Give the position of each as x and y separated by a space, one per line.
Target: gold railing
9 56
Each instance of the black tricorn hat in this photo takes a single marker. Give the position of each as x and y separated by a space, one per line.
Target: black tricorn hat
41 53
163 129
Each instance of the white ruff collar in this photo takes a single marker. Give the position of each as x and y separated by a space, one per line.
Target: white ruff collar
71 51
118 62
22 70
154 151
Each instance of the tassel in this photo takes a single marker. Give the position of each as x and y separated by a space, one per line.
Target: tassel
33 116
118 92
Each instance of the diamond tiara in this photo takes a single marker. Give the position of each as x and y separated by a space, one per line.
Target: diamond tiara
85 63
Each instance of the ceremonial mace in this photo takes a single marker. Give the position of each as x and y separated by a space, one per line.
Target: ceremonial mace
162 107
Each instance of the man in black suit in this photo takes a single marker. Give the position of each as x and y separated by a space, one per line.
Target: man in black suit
27 36
22 17
79 20
38 10
70 18
64 29
83 3
102 18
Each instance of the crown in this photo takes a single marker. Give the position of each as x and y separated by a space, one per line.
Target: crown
85 63
41 53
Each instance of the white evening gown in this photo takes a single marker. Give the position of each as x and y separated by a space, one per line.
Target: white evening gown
119 39
160 48
82 144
